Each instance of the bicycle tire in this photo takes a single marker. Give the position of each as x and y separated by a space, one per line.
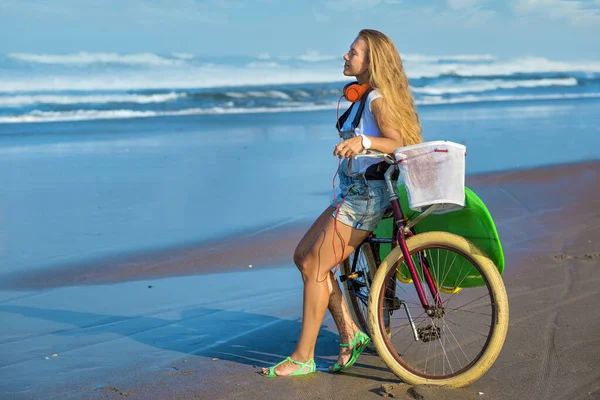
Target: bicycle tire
411 364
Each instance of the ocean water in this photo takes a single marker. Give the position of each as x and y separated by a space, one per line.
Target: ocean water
103 155
84 86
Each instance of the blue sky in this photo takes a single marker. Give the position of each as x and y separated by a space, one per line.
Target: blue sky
558 29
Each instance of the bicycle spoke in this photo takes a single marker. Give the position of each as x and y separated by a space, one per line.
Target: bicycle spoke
472 301
443 350
470 330
471 312
456 340
407 325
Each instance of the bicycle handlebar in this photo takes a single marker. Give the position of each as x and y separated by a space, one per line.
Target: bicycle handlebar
377 154
388 174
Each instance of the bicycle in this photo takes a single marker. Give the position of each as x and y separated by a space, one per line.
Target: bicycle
455 304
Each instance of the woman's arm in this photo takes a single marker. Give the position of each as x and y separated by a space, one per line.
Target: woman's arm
391 138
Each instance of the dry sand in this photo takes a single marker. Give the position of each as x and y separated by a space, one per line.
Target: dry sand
549 223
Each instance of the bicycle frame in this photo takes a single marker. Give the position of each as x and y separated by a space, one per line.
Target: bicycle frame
401 231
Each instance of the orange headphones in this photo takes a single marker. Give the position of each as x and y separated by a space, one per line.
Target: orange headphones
353 92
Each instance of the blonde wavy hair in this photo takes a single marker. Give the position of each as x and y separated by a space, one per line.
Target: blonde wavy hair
388 77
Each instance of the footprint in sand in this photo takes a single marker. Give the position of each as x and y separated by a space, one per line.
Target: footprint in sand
585 256
525 354
589 256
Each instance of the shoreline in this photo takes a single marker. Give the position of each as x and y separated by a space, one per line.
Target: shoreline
272 246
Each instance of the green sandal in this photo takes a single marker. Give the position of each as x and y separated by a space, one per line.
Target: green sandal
310 364
364 341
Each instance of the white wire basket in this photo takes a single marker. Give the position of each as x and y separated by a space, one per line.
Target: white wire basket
434 173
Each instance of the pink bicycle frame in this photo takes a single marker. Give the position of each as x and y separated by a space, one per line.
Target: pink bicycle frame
400 222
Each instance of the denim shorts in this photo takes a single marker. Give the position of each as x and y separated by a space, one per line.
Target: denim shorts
364 204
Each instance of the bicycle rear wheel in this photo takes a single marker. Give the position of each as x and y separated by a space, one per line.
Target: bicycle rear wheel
357 283
453 344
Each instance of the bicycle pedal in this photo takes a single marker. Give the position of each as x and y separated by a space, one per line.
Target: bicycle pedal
354 275
429 333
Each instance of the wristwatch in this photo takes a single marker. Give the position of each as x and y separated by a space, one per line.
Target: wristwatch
366 142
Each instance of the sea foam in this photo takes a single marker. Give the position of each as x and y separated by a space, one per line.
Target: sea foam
81 115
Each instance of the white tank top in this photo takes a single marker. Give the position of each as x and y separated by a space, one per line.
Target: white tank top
366 126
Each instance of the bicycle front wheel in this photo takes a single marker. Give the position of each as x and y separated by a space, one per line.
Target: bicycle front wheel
453 342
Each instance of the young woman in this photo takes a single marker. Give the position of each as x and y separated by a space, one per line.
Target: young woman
388 121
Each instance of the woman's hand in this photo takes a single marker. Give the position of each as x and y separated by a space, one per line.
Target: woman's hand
349 148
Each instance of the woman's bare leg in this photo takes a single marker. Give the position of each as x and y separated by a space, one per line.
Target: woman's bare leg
342 318
337 305
315 258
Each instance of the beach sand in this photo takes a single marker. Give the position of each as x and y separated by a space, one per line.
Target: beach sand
164 325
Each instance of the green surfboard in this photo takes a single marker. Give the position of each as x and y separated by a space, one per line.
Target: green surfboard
473 222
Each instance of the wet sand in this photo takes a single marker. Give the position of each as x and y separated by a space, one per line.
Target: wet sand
165 326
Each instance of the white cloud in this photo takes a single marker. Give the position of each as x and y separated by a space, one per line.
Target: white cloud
264 64
83 58
575 11
314 56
